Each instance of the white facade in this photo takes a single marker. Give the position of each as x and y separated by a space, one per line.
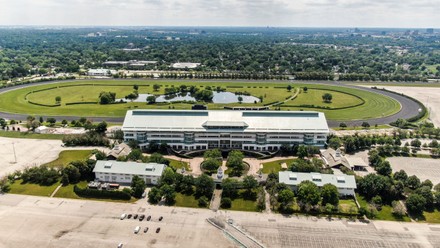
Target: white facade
346 184
100 72
123 172
246 130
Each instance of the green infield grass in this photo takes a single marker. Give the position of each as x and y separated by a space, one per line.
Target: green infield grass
69 156
355 103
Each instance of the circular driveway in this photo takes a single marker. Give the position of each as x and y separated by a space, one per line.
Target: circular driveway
409 107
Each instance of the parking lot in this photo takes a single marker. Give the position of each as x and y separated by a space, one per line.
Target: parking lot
29 221
423 168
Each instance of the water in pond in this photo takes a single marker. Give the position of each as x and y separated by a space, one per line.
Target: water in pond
219 97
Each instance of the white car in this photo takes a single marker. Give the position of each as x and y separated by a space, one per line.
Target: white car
137 229
120 245
123 216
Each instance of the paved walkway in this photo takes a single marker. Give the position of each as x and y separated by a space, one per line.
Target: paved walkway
56 190
216 199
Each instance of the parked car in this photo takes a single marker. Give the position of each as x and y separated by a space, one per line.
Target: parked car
137 229
158 230
120 245
129 216
142 217
160 218
149 218
145 229
123 216
135 216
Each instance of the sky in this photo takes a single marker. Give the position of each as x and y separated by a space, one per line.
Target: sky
276 13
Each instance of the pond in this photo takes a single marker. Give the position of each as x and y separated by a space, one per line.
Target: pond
219 97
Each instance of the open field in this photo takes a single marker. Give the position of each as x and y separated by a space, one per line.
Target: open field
32 189
275 166
26 135
55 222
188 201
65 157
375 105
386 213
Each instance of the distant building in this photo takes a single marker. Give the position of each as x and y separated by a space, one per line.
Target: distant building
346 184
123 172
334 159
133 63
100 72
118 151
185 65
430 30
208 129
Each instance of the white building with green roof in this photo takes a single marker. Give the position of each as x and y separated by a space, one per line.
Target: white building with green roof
225 129
123 172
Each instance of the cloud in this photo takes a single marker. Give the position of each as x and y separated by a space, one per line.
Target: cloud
299 13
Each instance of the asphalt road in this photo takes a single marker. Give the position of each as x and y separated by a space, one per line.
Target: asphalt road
409 108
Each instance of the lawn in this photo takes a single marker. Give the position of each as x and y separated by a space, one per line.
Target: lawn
68 156
241 204
29 135
346 206
432 216
315 96
67 191
275 166
386 213
188 201
179 164
16 101
32 189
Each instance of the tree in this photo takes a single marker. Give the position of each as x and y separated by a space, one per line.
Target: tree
305 89
235 162
240 99
51 120
285 198
101 127
308 193
107 97
58 99
72 173
365 124
204 186
214 153
135 87
134 155
156 87
384 168
289 87
203 201
327 97
413 182
415 204
138 186
151 99
329 194
427 183
249 183
374 158
416 143
342 125
186 184
398 208
158 158
230 188
400 176
302 152
211 164
154 196
425 191
226 202
168 176
372 185
168 193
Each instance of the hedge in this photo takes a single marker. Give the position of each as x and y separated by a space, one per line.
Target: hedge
45 105
74 103
101 194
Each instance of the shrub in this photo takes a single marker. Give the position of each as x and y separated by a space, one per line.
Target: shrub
226 202
102 194
203 201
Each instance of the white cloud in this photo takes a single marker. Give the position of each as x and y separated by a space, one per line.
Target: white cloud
298 13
